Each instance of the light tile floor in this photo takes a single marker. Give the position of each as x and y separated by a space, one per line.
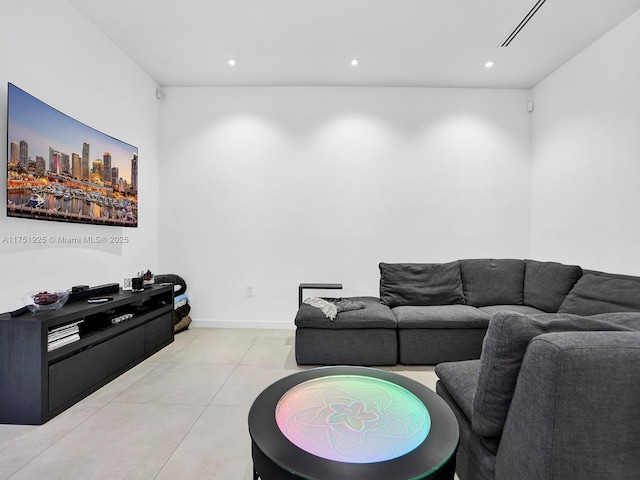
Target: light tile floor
181 414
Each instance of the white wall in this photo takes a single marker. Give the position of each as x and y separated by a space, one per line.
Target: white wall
586 156
54 53
271 187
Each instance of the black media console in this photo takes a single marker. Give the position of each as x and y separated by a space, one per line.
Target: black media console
37 384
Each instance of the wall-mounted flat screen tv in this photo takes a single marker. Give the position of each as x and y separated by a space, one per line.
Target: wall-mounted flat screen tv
61 169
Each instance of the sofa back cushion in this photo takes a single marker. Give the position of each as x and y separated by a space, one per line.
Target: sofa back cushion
489 281
405 284
546 284
504 347
594 294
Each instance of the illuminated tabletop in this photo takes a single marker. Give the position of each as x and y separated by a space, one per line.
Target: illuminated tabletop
351 423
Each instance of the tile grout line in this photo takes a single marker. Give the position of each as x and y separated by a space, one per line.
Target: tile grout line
204 409
170 456
59 439
85 400
250 346
235 367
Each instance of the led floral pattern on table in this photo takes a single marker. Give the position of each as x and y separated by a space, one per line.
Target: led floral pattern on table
353 418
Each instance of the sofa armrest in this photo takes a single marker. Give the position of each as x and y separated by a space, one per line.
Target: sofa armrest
574 412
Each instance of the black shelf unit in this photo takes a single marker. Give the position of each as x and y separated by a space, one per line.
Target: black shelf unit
37 384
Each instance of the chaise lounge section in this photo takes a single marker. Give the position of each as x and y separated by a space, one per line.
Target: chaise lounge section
359 337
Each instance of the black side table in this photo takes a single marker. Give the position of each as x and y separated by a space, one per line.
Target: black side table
318 286
340 414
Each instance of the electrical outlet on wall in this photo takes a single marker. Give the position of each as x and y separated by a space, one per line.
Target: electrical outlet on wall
249 291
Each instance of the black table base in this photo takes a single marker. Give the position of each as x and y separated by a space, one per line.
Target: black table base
265 469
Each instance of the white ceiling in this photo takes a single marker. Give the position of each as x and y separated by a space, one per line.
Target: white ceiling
433 43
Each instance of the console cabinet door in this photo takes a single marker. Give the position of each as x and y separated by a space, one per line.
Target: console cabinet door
158 331
73 375
125 349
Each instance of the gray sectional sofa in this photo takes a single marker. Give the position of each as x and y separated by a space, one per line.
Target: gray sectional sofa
553 397
432 313
539 361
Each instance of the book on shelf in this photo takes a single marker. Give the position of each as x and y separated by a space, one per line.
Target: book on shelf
63 335
52 345
65 326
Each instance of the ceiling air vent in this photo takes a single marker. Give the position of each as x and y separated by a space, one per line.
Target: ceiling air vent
522 23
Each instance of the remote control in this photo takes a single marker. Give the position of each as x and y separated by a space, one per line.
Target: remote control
99 299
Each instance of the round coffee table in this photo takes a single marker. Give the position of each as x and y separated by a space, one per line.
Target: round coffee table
352 423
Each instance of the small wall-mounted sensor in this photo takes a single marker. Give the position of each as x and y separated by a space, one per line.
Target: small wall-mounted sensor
529 107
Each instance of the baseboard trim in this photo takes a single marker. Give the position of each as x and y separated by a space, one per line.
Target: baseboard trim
267 325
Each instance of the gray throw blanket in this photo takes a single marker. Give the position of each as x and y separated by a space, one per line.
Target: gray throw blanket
331 307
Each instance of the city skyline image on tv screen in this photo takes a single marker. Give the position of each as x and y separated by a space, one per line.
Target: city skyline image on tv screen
61 169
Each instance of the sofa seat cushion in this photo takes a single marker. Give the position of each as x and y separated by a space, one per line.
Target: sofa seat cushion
444 316
493 309
374 315
595 294
420 284
546 284
474 460
504 347
461 381
488 281
457 384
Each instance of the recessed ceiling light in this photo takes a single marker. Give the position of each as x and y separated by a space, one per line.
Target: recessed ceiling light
489 64
231 62
354 62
